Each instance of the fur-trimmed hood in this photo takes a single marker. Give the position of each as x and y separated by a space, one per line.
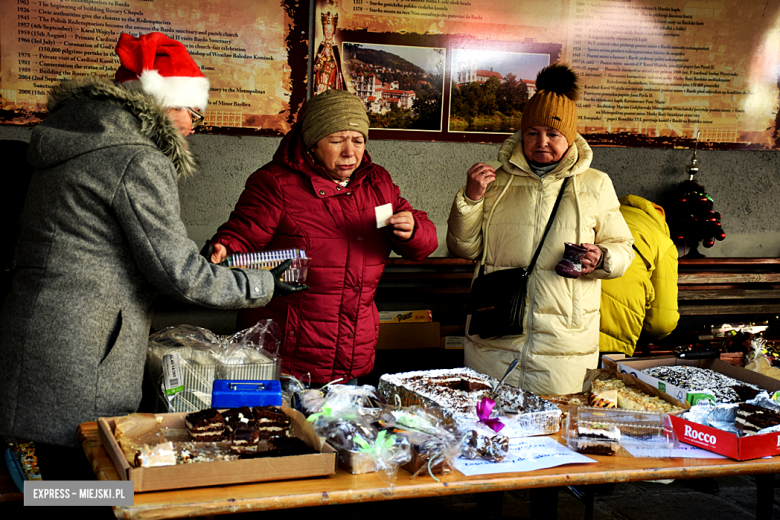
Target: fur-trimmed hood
90 105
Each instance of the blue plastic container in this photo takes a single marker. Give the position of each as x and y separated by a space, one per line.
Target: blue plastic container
228 393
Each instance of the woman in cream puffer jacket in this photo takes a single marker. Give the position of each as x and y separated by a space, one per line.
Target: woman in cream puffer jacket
561 323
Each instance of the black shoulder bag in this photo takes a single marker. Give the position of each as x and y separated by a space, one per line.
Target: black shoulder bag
497 300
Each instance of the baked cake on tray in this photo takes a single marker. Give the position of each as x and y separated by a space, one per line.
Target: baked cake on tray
458 390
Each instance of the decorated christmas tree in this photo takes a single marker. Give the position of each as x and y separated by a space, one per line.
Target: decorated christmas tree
692 220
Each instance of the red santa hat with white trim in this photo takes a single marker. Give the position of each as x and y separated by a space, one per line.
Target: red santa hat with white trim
162 68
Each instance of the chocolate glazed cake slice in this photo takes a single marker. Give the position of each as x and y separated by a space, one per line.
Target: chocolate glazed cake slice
272 422
751 418
206 426
237 416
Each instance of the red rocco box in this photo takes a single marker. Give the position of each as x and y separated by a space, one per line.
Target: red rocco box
725 443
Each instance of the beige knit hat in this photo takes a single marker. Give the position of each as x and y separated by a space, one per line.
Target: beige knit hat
554 105
333 111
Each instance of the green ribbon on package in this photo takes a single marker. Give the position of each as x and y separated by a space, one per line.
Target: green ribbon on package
327 411
382 442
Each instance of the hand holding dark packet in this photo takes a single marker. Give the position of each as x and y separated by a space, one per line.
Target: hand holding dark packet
571 264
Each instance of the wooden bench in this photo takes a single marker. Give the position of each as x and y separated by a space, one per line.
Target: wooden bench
729 287
709 289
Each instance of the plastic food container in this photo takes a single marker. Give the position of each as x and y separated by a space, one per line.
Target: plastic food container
234 394
638 431
297 272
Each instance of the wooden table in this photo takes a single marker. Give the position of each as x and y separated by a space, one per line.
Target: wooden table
344 488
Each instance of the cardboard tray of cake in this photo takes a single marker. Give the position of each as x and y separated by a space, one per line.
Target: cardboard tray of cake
457 391
706 437
637 367
631 393
726 443
321 462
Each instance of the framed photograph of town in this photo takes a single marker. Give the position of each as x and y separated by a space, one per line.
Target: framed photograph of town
420 82
401 86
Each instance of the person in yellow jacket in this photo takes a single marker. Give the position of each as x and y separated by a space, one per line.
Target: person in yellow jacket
643 302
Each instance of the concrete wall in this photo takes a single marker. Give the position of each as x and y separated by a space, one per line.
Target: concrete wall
745 186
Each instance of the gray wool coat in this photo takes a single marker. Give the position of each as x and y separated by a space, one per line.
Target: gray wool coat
101 237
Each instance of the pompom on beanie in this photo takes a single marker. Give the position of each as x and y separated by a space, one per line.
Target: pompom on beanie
554 103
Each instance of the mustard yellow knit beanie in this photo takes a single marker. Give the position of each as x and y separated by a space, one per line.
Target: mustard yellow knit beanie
554 105
333 111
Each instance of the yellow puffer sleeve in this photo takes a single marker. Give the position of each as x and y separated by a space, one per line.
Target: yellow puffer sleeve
464 226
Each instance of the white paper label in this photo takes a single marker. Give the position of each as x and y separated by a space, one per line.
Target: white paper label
383 212
525 454
172 375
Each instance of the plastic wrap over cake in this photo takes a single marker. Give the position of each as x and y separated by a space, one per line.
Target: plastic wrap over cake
458 390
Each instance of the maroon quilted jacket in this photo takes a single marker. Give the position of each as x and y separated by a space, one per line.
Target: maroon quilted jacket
330 331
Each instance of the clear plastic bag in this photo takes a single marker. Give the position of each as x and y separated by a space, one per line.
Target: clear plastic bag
389 452
344 433
346 412
196 348
434 441
348 421
251 354
757 360
311 400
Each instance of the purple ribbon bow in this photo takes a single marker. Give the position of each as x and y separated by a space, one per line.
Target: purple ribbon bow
484 407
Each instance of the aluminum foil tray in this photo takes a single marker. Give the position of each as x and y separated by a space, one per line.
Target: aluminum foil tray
457 391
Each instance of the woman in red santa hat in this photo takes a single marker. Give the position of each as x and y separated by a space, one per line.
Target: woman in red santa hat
101 236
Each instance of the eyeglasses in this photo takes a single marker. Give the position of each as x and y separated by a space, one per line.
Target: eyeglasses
197 118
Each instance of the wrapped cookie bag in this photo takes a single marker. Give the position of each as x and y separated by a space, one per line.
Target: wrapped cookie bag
434 440
348 421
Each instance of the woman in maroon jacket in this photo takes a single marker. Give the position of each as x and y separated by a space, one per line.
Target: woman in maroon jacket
318 194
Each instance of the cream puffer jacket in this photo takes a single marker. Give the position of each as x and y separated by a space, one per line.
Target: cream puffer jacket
561 323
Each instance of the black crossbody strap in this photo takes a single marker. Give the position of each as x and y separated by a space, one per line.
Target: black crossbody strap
549 225
546 230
